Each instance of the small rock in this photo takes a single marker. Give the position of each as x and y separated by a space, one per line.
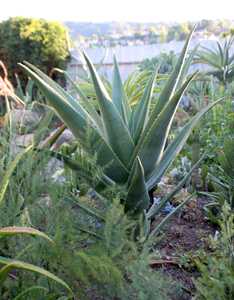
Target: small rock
45 201
54 170
25 118
66 137
20 142
168 208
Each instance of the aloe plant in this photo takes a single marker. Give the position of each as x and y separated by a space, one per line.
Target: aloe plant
221 60
129 142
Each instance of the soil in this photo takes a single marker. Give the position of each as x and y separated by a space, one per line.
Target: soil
184 234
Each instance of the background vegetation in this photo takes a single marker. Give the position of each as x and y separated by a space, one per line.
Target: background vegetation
38 41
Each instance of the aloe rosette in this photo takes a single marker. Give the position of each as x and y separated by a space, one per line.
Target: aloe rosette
129 142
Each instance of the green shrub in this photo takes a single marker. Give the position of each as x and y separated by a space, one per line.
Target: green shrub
165 61
40 42
222 182
93 248
217 271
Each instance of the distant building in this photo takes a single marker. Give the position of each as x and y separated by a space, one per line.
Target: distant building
128 57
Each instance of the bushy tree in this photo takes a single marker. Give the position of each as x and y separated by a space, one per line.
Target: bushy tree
38 41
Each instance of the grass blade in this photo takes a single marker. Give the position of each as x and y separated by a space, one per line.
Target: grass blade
6 178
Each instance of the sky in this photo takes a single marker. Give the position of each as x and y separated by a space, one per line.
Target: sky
119 10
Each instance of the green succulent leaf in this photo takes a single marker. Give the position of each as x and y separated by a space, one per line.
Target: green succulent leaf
119 97
88 105
174 79
140 114
117 132
75 118
165 220
73 114
175 147
152 144
154 210
137 196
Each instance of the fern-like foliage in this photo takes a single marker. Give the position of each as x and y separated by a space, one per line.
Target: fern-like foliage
217 271
224 184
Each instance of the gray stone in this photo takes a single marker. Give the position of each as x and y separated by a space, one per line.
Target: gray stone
66 137
54 170
25 118
19 142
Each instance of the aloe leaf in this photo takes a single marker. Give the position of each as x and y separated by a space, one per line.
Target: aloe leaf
155 209
165 220
10 169
221 56
13 230
60 98
153 141
187 64
112 167
76 166
75 118
173 80
175 146
140 114
89 106
62 92
118 134
16 264
111 164
208 56
72 116
137 195
43 80
119 97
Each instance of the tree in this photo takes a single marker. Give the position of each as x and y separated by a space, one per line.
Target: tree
178 32
38 41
